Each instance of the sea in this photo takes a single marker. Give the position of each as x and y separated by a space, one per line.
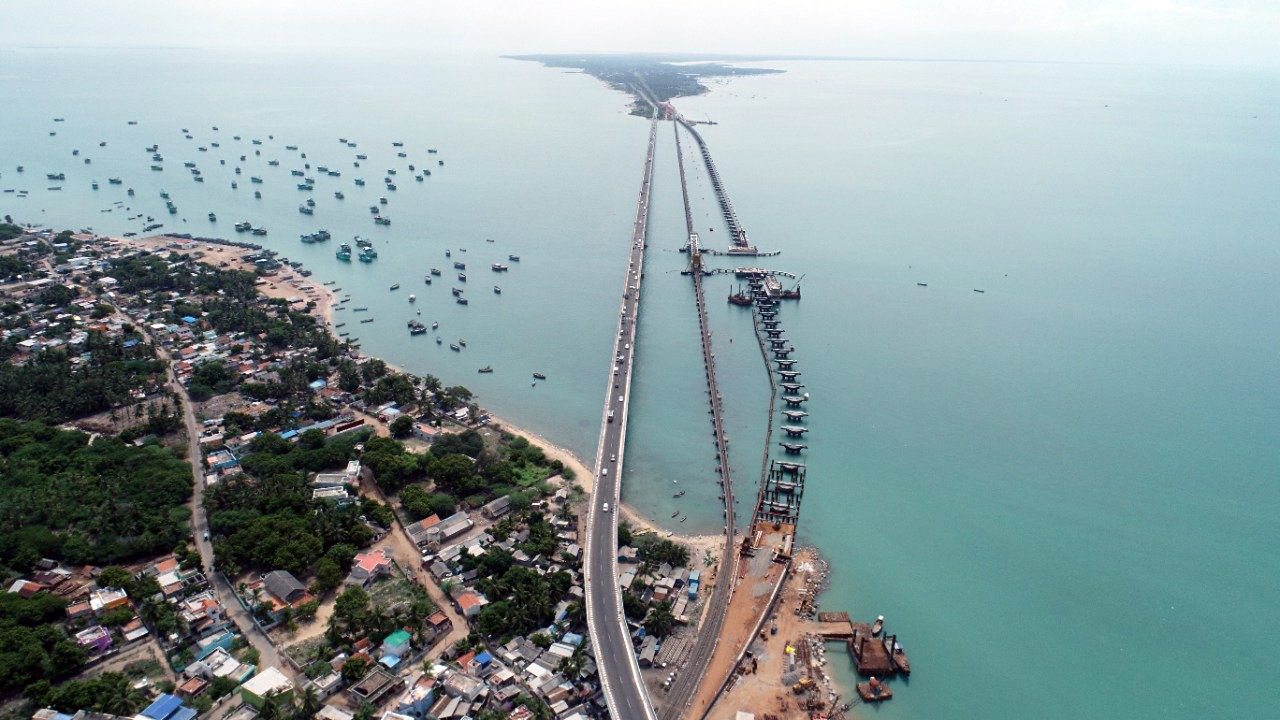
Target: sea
1062 491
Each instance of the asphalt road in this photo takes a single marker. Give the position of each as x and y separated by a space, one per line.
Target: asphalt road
620 677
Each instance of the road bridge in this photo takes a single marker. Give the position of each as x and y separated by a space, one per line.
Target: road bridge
620 678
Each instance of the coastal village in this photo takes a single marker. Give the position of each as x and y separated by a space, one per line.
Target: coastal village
358 542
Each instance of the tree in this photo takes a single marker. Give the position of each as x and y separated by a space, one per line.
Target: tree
354 669
402 427
328 574
660 620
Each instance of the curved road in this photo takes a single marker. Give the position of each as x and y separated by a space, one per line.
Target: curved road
624 689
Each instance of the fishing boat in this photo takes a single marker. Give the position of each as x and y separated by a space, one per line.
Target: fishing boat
513 258
485 369
539 376
498 267
255 180
382 200
344 253
368 255
380 220
359 182
462 277
367 320
462 301
391 186
95 185
259 231
448 253
213 218
257 194
311 202
462 342
397 143
157 168
306 210
113 181
459 266
454 347
243 226
431 150
497 290
290 147
296 173
338 194
273 163
435 271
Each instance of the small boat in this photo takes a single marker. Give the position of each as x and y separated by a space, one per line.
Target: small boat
382 220
877 626
259 231
439 341
462 277
462 342
923 284
540 376
459 266
513 258
382 200
359 182
979 291
435 325
213 218
338 194
448 253
367 320
485 369
679 494
462 301
454 347
273 163
435 271
306 210
675 513
413 298
397 143
498 267
497 290
257 194
395 286
426 279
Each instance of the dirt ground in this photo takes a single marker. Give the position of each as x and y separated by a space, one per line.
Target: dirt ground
762 691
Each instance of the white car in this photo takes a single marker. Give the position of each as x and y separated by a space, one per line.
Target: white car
613 458
605 507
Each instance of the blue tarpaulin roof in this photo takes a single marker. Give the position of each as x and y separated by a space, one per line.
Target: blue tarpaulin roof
163 707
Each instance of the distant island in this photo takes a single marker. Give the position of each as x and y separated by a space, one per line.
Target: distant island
664 76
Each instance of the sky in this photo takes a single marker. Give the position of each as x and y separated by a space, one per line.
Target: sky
1178 32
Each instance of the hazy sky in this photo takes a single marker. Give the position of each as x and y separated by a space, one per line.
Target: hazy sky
1214 32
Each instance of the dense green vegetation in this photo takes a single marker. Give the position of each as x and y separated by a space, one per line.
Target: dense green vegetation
108 693
30 647
87 504
266 519
51 388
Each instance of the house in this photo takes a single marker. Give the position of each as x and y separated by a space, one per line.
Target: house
220 663
25 588
333 712
167 707
497 507
268 682
105 599
395 645
470 603
415 702
284 586
420 532
369 566
438 626
193 687
95 639
375 685
134 630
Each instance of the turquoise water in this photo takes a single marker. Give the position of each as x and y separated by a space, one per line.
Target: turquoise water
1061 492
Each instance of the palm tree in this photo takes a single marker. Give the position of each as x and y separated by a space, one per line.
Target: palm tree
309 704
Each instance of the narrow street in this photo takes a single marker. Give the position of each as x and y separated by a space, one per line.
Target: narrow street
267 652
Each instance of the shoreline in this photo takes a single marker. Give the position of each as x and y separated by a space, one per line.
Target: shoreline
288 279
